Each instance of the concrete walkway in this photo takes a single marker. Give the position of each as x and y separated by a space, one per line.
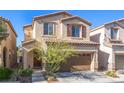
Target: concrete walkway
37 77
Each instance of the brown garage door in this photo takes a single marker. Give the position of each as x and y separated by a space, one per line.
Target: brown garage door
119 62
81 62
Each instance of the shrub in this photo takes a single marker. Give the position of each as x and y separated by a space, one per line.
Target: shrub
15 75
55 54
111 73
25 72
5 73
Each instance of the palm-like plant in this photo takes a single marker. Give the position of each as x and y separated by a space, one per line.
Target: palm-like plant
53 55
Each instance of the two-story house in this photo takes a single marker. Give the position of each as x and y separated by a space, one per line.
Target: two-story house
7 44
111 38
61 26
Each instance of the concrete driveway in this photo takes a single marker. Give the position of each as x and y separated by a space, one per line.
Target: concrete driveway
87 76
79 77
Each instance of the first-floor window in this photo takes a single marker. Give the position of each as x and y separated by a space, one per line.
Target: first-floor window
48 28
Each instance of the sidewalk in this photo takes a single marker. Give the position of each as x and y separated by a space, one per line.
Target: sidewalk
76 77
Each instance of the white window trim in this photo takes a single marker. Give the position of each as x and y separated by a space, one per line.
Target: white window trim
75 31
48 29
118 32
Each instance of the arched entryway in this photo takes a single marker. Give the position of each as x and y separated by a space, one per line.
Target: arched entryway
36 63
4 56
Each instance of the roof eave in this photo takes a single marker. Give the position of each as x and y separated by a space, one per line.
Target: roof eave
10 24
79 19
27 25
47 15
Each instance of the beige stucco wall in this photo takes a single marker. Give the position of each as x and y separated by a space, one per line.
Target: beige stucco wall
104 52
107 55
10 44
28 33
38 26
60 28
121 32
79 49
115 49
74 21
61 33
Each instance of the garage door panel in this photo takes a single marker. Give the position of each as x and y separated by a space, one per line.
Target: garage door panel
80 62
119 62
80 68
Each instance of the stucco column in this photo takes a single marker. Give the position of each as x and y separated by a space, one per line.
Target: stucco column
30 59
25 60
81 32
94 63
111 65
43 61
87 34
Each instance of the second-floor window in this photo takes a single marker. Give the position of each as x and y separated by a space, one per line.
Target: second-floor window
114 33
48 28
73 30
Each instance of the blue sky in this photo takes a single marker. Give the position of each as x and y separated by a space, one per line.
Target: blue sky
21 17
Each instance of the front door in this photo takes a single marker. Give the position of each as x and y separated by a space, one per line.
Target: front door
37 64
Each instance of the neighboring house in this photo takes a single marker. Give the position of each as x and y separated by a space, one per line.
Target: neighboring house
8 45
66 27
111 39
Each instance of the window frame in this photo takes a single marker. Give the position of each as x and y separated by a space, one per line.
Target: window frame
74 33
48 32
113 33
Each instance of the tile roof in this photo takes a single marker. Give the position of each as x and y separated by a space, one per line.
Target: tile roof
68 41
114 44
114 21
52 14
27 25
9 23
72 41
73 17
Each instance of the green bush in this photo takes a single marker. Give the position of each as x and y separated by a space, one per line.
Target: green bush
111 73
5 73
25 72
